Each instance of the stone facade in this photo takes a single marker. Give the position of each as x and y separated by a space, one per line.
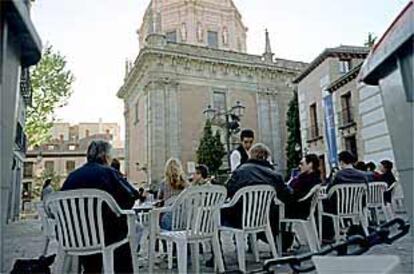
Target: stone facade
334 70
169 86
214 23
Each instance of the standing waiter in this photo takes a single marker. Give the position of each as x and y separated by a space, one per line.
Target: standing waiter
241 154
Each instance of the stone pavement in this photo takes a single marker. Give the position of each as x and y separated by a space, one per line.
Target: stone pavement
24 239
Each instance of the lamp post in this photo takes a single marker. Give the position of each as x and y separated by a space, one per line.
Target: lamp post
232 121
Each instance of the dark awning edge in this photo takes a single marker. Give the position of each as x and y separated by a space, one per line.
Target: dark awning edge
382 58
18 18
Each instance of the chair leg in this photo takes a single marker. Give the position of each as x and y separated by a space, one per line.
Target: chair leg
46 246
241 252
195 252
170 254
314 233
253 244
108 261
182 257
307 229
271 241
336 228
218 257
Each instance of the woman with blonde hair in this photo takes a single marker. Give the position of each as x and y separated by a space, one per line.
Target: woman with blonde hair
174 182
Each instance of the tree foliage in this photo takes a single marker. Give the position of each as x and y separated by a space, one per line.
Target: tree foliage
211 150
294 139
52 86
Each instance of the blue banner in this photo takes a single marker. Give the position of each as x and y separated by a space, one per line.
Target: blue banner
330 130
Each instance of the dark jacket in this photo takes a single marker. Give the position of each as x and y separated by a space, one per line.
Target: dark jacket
389 178
243 154
349 176
97 176
253 172
301 186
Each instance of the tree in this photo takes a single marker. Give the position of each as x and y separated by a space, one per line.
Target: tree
52 86
294 139
370 42
211 150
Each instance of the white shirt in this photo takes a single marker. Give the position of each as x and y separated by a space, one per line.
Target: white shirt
235 158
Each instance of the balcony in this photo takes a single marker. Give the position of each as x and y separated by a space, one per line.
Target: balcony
346 118
20 139
313 133
25 86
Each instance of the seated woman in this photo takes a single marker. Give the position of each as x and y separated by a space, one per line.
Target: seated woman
385 175
172 185
301 185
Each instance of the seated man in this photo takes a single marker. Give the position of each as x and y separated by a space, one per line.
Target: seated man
256 171
346 175
97 174
200 176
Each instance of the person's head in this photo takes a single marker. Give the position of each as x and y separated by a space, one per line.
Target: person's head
386 166
99 151
360 166
346 159
47 183
201 173
310 163
115 164
371 166
174 173
260 152
141 190
247 138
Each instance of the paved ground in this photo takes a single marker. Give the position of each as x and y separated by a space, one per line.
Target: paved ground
24 239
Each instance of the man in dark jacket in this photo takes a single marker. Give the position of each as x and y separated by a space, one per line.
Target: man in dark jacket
97 174
240 155
256 171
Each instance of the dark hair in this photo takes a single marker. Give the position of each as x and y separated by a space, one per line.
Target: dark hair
203 169
314 159
371 166
97 151
47 183
116 164
346 157
387 164
246 133
360 165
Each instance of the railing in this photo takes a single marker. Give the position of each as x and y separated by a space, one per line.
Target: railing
346 117
25 86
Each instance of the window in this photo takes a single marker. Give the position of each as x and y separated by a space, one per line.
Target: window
50 147
346 104
219 101
70 166
108 132
344 66
72 147
313 115
50 166
351 145
61 137
87 133
212 39
28 170
136 112
172 36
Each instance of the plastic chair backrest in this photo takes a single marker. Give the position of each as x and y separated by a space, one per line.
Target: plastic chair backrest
256 201
314 195
349 198
376 193
197 210
78 215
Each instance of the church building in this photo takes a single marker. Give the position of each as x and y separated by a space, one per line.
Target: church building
193 55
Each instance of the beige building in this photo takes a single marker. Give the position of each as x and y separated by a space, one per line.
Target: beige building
173 80
67 151
332 72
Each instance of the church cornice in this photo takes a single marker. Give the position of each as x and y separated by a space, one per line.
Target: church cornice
216 61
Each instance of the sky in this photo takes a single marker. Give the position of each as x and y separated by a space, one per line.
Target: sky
97 36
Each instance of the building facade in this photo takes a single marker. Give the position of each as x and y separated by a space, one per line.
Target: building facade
386 101
20 48
332 74
65 152
173 81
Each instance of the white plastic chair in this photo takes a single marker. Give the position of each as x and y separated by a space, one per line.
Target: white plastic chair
375 199
78 211
256 201
397 198
308 226
350 199
195 220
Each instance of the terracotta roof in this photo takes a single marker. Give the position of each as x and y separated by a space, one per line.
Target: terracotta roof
341 52
344 79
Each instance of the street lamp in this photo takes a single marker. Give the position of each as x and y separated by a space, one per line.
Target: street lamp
232 121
